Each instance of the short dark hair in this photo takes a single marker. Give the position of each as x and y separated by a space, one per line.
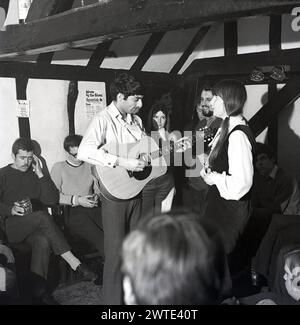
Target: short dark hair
22 144
262 148
206 87
125 84
174 259
72 140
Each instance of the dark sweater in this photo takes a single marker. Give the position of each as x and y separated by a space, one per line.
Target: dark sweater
269 193
15 185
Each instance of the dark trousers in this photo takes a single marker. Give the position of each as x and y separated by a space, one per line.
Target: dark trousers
42 234
118 218
194 199
87 224
154 193
289 225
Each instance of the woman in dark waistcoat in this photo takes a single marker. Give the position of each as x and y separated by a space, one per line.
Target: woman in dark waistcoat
229 167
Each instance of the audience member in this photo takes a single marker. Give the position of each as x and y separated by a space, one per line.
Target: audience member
274 192
78 190
282 232
285 289
24 193
173 259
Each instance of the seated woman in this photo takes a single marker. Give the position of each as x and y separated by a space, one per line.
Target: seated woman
77 186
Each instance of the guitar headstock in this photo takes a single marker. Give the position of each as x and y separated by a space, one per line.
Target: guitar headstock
209 133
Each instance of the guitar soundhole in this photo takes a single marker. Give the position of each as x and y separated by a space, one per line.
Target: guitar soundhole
146 171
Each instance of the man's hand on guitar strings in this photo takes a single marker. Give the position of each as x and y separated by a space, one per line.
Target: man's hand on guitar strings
183 144
135 165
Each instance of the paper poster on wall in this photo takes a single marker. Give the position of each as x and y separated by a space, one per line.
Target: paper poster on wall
23 109
93 102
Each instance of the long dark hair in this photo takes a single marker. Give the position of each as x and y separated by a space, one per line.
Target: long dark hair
234 96
157 107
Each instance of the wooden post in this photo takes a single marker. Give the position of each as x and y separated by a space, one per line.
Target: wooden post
24 125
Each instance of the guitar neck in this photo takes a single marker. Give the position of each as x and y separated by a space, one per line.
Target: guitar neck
173 146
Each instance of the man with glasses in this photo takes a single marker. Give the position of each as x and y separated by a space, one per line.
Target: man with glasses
78 190
117 123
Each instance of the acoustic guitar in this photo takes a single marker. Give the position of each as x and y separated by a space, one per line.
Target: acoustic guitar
119 183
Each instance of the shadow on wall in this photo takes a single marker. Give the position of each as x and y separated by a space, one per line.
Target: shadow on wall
289 140
38 152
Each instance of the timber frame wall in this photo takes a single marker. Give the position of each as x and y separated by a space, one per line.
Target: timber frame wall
52 25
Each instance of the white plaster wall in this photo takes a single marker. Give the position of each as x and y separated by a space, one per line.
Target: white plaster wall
13 13
290 38
253 34
48 118
126 50
9 127
170 50
256 98
289 138
212 45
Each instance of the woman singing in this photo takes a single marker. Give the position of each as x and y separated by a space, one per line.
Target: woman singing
229 167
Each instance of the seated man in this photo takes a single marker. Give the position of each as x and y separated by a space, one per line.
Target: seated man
73 178
273 192
172 259
282 232
285 286
29 221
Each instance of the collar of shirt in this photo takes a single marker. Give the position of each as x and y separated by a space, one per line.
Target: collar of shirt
236 120
114 112
273 172
233 122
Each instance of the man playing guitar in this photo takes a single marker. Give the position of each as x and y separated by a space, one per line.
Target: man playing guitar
117 123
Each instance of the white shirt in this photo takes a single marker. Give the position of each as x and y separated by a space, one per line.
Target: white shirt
108 126
239 181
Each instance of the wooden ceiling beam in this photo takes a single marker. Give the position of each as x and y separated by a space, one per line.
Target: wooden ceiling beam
243 63
14 69
194 43
107 20
147 51
230 38
99 54
286 96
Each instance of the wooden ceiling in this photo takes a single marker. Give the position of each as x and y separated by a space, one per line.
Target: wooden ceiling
54 25
51 26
